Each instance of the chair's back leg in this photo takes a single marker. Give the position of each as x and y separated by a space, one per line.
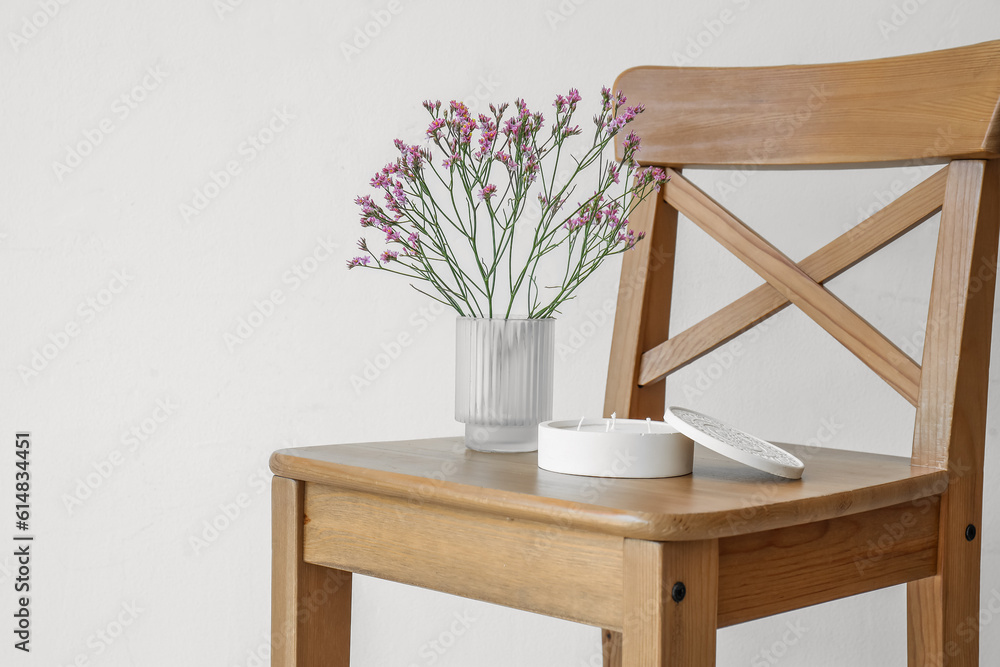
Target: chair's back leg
642 316
943 611
611 648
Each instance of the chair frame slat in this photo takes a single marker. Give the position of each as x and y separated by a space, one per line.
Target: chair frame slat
950 429
886 225
837 318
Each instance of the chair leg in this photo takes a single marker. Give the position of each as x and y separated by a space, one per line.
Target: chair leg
611 647
671 603
310 604
942 612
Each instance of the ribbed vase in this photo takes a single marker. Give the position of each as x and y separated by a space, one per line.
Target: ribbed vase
503 381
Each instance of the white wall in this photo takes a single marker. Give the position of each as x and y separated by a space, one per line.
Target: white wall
223 75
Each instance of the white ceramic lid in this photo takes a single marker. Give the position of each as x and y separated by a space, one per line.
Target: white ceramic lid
734 443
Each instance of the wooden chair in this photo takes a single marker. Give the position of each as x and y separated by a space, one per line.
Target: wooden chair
661 564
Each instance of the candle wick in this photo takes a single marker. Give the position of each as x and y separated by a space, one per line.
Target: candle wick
581 423
649 425
614 416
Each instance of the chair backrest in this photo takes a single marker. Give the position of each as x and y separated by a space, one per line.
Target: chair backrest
934 107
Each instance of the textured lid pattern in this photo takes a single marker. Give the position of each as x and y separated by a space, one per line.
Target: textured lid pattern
734 443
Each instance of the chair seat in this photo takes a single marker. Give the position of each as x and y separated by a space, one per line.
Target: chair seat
720 498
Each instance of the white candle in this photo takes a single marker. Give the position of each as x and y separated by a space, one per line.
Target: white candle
614 448
620 427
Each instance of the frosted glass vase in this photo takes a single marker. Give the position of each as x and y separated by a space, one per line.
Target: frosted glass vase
503 381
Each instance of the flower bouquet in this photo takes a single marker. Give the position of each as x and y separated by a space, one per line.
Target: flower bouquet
477 226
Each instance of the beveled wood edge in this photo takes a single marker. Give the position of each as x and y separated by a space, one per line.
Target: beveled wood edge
638 525
991 145
984 45
893 163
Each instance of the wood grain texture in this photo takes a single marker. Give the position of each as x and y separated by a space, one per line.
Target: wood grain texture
825 560
951 417
310 605
940 104
659 631
543 568
611 648
710 503
885 226
838 319
642 316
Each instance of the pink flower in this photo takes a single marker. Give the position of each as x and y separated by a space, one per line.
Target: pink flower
388 256
652 175
613 170
624 117
450 160
629 237
569 101
487 137
531 166
398 193
606 101
370 211
506 159
545 202
460 110
616 124
465 132
358 261
631 144
610 214
486 193
412 243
